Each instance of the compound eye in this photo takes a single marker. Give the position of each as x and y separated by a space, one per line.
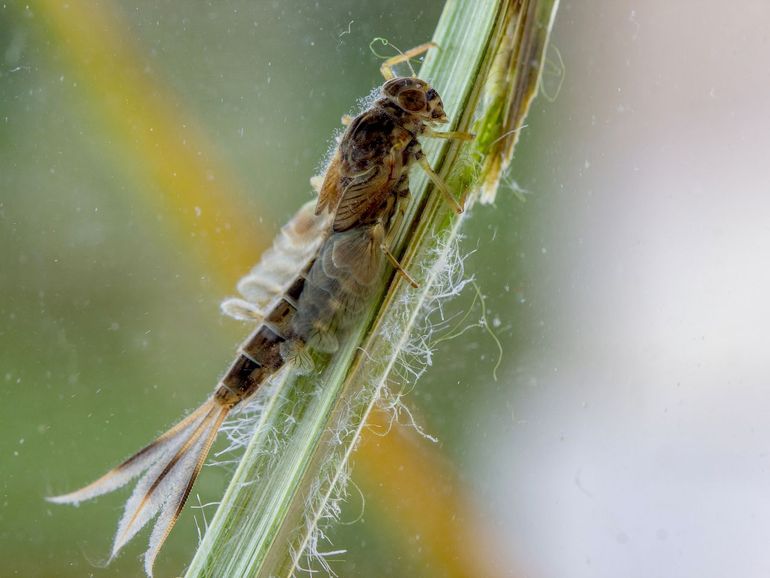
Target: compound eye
412 100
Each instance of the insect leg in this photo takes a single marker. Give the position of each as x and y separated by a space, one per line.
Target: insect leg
439 183
397 266
387 67
401 192
454 134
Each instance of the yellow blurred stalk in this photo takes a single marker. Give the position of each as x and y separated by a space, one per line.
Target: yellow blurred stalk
426 505
198 193
190 185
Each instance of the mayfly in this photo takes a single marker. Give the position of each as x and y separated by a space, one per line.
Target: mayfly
304 293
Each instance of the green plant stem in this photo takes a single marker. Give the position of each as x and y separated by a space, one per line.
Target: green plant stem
269 519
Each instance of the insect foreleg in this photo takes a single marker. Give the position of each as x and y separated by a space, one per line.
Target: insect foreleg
387 67
454 134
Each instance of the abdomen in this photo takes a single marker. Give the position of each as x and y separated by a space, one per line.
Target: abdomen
315 310
338 286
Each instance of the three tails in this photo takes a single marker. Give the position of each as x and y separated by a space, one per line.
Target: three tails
170 466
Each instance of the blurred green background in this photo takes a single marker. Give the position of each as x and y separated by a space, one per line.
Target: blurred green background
150 150
110 324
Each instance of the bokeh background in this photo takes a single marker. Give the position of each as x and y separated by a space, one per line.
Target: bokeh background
150 150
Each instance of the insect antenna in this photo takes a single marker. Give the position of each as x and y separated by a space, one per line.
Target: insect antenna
387 67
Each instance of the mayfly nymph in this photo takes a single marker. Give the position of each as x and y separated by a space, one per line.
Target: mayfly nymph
304 293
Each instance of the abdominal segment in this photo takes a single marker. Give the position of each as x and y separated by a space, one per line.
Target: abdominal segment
315 311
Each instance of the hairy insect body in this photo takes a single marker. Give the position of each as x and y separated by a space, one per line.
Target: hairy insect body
367 179
376 152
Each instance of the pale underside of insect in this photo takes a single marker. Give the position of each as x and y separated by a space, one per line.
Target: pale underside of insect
303 294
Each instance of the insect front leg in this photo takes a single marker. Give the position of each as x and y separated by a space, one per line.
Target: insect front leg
387 67
453 134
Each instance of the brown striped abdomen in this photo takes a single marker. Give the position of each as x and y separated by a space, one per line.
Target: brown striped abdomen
261 355
315 310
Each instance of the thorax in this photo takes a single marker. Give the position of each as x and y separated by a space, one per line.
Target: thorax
376 135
